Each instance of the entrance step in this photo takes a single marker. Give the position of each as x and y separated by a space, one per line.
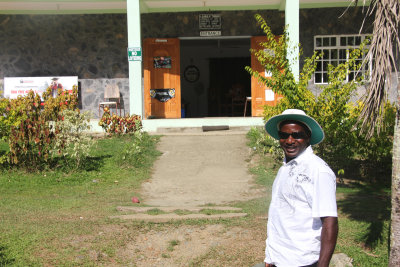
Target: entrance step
205 129
187 125
165 214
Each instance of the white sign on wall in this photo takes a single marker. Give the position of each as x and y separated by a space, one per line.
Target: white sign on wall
210 21
210 33
269 95
15 86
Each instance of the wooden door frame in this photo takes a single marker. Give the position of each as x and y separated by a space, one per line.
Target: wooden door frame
256 101
148 68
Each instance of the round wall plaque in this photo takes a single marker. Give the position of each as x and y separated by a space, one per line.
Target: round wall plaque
191 73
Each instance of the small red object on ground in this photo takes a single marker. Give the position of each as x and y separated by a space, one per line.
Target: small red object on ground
135 200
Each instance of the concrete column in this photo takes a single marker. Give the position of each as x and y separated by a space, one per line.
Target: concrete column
292 10
135 67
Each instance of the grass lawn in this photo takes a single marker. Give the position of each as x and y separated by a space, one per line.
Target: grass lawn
46 217
61 218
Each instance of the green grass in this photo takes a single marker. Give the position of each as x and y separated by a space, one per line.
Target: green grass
155 212
172 244
364 217
42 213
60 217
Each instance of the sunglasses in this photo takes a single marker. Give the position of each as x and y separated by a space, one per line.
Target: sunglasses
295 135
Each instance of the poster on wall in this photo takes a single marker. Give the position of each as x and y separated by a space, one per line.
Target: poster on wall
162 62
15 86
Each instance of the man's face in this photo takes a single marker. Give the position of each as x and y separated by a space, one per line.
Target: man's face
293 146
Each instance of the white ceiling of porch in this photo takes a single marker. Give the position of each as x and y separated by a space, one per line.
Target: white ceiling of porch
148 6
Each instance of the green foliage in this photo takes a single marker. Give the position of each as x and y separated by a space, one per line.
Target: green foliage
135 152
30 126
71 140
263 143
114 124
274 57
344 145
65 100
49 210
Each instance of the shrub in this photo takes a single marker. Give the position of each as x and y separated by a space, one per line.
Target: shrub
30 125
344 144
114 124
263 143
71 140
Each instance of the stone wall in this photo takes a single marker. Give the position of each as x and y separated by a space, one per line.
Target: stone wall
92 93
327 21
186 24
93 47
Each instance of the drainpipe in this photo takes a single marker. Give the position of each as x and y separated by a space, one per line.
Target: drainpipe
292 10
135 67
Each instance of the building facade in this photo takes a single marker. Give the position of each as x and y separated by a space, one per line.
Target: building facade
192 59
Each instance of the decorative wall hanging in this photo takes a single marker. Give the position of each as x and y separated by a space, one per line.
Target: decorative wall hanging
162 95
191 73
162 62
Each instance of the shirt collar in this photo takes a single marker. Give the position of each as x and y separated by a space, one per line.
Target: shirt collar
303 155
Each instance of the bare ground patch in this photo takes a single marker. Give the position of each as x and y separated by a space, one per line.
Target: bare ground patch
193 245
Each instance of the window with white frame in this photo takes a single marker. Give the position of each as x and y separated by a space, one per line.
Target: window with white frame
335 49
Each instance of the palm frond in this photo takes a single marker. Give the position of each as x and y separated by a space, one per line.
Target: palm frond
384 41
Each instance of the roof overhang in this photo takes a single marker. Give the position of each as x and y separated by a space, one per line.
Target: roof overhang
151 6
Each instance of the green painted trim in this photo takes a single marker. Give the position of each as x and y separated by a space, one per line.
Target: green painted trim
327 5
55 1
214 8
62 12
145 9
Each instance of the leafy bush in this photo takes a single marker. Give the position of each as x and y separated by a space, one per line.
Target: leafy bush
263 143
26 125
344 144
114 124
71 140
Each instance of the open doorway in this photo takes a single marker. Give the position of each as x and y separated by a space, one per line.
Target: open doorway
230 84
214 81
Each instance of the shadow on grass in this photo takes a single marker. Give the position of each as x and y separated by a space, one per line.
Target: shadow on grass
5 260
87 164
369 204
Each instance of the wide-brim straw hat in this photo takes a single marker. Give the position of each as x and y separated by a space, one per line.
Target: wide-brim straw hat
272 125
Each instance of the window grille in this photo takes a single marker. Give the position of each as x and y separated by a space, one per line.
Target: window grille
336 49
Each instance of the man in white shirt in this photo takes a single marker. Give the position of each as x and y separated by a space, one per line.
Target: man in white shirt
302 219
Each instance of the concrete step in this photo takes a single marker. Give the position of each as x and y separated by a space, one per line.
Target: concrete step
204 130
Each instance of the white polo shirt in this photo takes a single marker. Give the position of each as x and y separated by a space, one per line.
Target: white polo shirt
304 190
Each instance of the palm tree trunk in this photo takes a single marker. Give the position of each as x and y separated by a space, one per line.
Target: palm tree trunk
394 258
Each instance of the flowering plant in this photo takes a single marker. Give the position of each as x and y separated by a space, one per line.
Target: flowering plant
114 124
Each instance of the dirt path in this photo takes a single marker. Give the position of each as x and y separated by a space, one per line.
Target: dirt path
196 170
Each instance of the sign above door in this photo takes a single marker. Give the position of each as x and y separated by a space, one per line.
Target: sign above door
210 22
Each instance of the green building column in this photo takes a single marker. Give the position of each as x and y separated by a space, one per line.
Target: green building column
292 10
135 67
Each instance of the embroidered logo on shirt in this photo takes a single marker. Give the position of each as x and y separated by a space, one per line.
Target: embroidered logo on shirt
301 178
293 166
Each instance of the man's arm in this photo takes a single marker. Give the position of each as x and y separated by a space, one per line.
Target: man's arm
329 235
